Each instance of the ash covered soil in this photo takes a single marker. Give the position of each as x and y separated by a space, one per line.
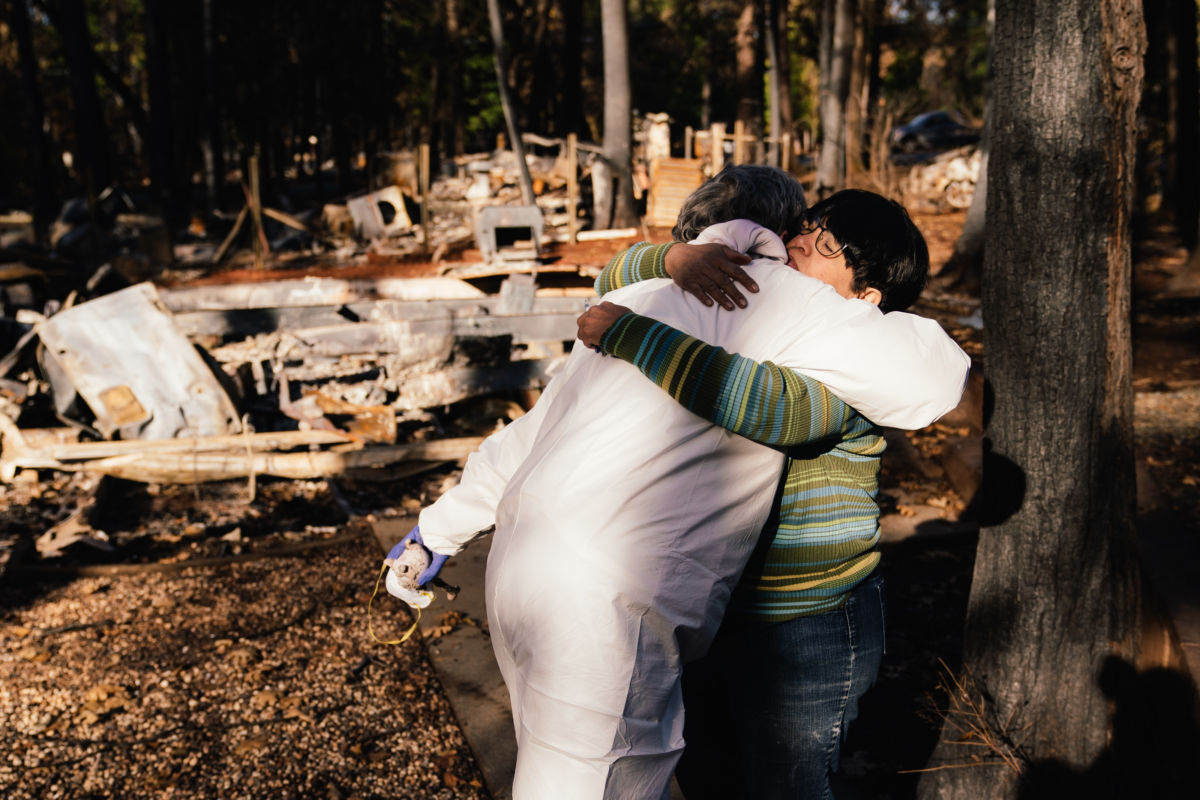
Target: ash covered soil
249 679
255 676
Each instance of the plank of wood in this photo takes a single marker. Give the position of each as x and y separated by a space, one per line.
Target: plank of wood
166 467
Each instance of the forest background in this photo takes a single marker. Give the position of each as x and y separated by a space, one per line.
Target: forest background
174 97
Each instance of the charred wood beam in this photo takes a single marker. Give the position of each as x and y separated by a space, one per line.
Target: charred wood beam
315 292
458 383
219 466
552 318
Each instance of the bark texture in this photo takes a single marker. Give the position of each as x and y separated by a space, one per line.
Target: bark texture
836 59
618 114
514 133
35 116
965 265
92 158
1057 587
749 83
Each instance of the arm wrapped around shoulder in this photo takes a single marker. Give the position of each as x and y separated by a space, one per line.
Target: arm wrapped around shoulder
907 372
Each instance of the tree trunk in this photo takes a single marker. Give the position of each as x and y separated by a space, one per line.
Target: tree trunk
158 81
837 52
1184 92
1057 586
92 161
777 79
570 110
212 143
455 125
618 114
783 70
749 87
965 265
40 167
856 97
514 134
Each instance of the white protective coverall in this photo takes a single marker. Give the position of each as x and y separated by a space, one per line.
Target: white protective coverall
623 520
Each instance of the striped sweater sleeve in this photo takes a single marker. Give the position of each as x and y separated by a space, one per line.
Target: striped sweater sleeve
638 263
758 400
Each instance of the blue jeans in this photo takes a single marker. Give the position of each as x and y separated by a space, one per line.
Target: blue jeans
767 709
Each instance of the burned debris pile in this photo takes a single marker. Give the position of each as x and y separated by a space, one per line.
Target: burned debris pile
319 345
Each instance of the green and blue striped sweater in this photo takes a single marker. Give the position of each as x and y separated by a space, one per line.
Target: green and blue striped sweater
820 541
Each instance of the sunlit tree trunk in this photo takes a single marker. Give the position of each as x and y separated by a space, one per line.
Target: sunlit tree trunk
836 57
618 115
962 270
1057 588
749 83
514 133
856 97
455 128
779 86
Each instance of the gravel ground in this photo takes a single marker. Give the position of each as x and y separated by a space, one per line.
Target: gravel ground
248 680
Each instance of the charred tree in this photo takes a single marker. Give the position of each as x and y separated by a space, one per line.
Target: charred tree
41 169
91 139
1057 594
1184 194
158 81
570 108
211 141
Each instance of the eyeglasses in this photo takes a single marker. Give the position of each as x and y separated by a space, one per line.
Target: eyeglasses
826 244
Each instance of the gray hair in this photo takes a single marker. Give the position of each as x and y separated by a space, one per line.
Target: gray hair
766 195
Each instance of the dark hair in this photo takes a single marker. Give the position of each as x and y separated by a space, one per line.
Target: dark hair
766 195
880 242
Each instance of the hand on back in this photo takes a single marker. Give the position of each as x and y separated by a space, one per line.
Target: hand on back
596 321
711 272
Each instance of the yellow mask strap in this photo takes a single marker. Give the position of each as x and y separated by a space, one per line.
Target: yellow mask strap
371 630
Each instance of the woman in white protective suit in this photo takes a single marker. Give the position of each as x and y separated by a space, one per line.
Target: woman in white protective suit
622 521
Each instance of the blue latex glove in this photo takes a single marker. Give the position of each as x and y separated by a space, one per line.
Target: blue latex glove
436 560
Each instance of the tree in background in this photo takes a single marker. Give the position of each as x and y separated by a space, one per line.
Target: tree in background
615 168
1168 157
91 138
510 114
748 57
779 97
836 64
965 265
1057 616
44 180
